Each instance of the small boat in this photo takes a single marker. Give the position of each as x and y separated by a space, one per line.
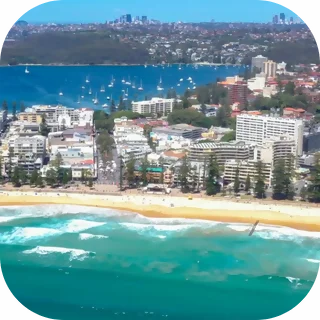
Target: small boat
60 93
194 88
181 79
104 106
189 79
108 98
141 87
110 85
26 71
178 84
96 101
159 87
90 91
180 67
78 102
133 85
83 87
128 82
145 66
102 89
127 93
123 81
82 97
87 80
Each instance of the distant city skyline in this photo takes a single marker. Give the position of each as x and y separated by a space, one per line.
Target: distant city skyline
85 11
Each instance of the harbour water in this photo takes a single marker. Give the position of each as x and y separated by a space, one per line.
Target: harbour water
72 262
67 85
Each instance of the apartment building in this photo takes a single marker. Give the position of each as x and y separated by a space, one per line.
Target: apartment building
154 106
257 129
270 68
30 117
246 168
258 62
223 151
35 145
238 93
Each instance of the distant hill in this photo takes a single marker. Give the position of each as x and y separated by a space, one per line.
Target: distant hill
21 23
73 48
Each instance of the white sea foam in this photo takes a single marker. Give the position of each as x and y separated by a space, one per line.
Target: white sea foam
87 236
313 260
292 280
283 233
75 254
20 235
157 227
239 227
76 225
6 219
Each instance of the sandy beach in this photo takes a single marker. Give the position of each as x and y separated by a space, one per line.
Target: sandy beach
299 217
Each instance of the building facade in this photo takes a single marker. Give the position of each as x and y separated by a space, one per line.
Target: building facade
35 145
257 129
257 62
154 106
238 93
270 68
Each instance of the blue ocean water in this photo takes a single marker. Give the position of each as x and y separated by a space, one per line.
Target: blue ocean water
43 84
72 262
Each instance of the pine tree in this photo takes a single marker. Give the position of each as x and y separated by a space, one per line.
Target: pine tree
4 106
213 186
9 164
39 181
34 177
51 177
236 185
144 170
65 178
121 173
278 179
288 180
23 177
43 128
14 110
16 177
1 165
69 175
22 107
161 163
130 167
82 176
314 189
259 188
247 184
184 175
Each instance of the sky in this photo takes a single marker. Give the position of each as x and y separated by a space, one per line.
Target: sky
77 11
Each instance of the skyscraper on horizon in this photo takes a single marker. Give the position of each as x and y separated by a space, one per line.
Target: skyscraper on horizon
128 18
282 17
144 19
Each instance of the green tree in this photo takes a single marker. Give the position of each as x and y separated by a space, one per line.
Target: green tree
39 181
289 176
22 107
34 177
51 177
236 185
212 185
16 177
43 128
184 173
247 186
314 188
161 164
9 164
69 174
144 170
65 178
82 176
130 168
230 136
23 177
121 173
278 179
259 188
304 193
4 106
290 88
14 110
1 166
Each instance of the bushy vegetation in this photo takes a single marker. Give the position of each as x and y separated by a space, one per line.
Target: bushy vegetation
73 48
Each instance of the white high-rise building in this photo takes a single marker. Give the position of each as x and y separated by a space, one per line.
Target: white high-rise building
270 68
258 129
257 62
154 106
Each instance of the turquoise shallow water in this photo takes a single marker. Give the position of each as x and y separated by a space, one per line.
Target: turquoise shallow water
69 262
43 84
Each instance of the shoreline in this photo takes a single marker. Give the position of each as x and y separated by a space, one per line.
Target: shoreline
299 218
115 65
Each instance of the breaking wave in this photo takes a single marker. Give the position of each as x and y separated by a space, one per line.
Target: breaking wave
88 236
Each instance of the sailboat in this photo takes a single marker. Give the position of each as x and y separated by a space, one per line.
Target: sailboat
96 101
181 79
60 93
179 66
83 87
127 93
108 98
189 79
145 66
78 102
133 85
87 80
90 91
123 81
105 106
102 89
141 87
128 82
111 83
159 87
26 71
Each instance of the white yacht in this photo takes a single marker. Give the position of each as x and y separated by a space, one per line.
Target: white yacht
128 82
102 89
60 93
87 80
104 106
90 91
181 79
123 81
133 85
159 87
26 71
141 87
